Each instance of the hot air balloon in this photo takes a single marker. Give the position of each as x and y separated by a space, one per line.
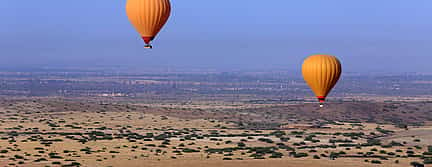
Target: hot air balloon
148 17
321 73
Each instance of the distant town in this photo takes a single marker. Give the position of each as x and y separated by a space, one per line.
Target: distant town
260 87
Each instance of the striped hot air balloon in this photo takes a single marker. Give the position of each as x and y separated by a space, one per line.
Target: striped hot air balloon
321 73
148 17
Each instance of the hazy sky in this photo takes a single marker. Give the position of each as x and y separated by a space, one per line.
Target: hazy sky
367 35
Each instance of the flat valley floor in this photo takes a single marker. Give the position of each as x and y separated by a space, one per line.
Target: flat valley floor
53 132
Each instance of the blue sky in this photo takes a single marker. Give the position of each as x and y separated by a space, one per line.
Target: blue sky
367 35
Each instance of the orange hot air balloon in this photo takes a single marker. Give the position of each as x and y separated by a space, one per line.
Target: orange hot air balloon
321 73
148 17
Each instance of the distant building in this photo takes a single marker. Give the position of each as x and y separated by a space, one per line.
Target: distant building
113 95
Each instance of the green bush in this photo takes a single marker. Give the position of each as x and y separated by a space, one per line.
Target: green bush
276 155
300 155
267 140
188 150
376 162
40 160
18 157
416 164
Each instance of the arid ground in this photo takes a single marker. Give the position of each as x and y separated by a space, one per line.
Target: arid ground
53 132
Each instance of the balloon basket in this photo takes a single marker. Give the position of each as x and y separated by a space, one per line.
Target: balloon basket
148 46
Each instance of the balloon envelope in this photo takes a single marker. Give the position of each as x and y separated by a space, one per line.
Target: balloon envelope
148 16
321 73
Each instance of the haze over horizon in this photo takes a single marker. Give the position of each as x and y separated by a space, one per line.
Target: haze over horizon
367 36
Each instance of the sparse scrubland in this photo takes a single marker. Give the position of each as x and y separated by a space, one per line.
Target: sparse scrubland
53 132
